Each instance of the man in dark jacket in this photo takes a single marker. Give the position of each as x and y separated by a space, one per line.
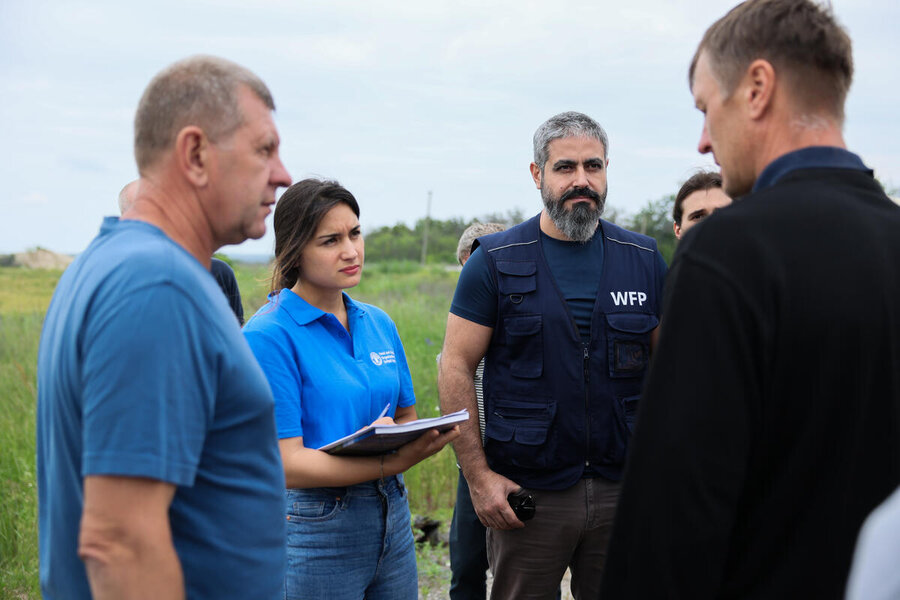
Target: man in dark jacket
768 429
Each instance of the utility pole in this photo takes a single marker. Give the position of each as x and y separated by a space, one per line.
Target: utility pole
425 232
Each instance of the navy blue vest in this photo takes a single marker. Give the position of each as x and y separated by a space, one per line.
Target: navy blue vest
557 409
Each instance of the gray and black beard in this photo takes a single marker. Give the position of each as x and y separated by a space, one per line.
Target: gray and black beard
579 222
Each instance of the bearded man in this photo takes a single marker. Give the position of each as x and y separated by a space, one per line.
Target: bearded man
562 307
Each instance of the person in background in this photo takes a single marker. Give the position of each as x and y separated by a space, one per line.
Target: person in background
224 276
874 574
562 307
127 195
769 429
699 196
335 365
221 270
468 553
158 471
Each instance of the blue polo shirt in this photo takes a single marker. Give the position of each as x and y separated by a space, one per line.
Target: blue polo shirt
327 382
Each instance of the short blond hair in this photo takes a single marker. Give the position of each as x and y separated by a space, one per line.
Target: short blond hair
201 91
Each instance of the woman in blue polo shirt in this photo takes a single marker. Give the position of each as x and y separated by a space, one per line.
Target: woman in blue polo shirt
334 366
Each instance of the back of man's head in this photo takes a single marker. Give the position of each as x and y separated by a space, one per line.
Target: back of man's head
201 91
127 195
809 50
472 233
567 124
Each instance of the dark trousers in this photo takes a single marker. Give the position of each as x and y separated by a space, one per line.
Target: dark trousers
468 552
570 529
468 549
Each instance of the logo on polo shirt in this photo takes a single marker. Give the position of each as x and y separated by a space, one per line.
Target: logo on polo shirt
382 358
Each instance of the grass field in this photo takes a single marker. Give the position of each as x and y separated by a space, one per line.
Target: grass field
24 296
416 298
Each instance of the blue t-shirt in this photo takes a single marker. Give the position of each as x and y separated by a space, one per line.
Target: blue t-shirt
143 371
327 382
577 268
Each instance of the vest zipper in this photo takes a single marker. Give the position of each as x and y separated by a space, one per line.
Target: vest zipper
587 420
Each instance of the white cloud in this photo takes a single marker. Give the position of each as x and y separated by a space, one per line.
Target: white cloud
35 199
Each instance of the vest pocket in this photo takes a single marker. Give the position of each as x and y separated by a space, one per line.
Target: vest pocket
627 412
516 432
525 345
625 409
516 277
628 343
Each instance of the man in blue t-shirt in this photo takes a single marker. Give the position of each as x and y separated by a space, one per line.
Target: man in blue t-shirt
221 270
562 308
158 467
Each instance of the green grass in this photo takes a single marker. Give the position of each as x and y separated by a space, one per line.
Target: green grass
19 334
433 562
26 291
418 303
416 298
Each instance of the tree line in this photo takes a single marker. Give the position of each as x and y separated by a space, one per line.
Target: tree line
402 243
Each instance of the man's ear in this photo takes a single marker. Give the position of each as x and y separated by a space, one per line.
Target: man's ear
760 87
536 175
677 229
192 155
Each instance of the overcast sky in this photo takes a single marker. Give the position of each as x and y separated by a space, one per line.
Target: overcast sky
391 98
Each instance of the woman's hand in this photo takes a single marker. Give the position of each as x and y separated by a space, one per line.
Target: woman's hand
418 450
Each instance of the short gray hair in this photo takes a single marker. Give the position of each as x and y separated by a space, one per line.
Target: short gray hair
200 91
567 124
472 233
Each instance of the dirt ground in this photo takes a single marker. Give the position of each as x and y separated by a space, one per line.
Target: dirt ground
436 585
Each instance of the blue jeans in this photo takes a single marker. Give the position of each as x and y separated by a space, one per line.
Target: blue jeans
350 543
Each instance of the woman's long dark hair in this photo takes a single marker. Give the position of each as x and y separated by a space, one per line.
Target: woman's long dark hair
297 216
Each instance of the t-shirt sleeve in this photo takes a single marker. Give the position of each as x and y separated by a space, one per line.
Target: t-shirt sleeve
475 298
149 386
406 395
276 359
